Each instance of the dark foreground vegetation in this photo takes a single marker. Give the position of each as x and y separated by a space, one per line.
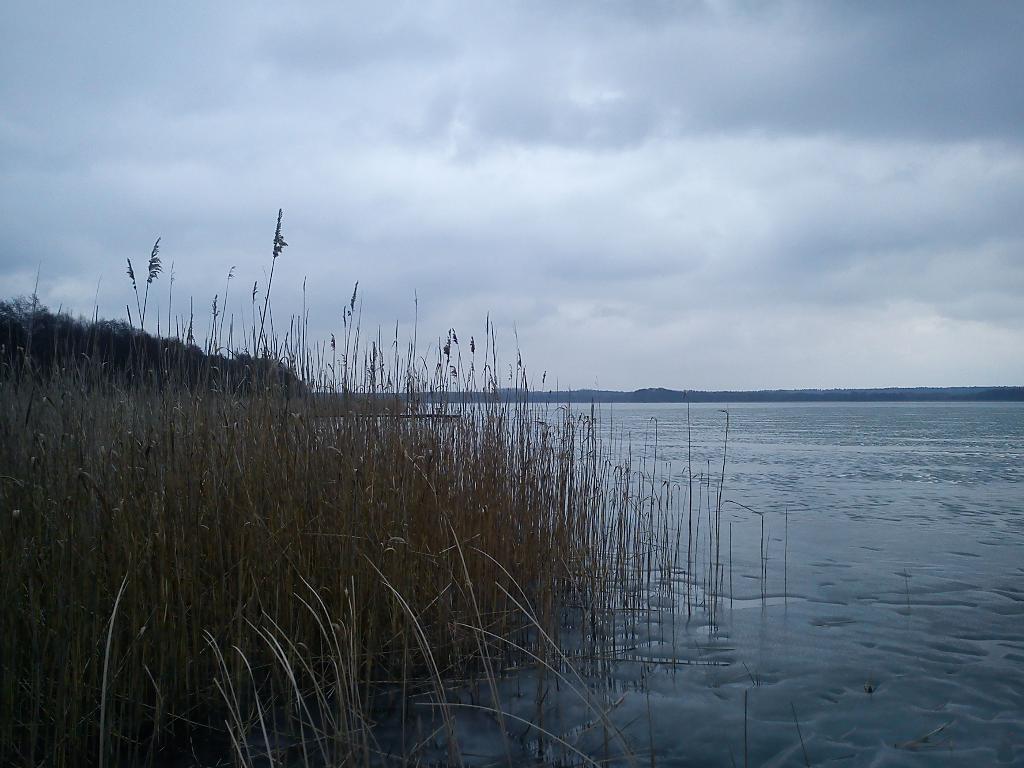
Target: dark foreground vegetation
196 558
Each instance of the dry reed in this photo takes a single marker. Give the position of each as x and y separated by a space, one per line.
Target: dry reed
265 561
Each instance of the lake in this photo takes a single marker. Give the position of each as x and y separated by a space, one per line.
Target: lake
891 622
877 617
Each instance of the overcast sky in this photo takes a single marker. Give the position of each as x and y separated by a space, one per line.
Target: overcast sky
688 195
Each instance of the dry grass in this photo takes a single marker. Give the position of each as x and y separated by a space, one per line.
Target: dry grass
186 565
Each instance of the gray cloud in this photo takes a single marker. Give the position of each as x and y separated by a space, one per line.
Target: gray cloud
692 195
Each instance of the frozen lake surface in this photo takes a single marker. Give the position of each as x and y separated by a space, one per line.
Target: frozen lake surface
891 624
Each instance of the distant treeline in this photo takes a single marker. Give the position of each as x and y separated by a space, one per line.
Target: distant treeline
888 394
31 334
113 351
661 395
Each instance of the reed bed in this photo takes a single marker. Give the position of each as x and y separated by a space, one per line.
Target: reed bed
268 554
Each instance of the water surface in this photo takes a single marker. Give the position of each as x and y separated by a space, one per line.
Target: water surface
892 624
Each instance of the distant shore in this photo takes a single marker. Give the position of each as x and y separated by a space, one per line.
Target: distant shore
882 395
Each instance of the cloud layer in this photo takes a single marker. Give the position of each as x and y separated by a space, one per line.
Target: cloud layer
703 195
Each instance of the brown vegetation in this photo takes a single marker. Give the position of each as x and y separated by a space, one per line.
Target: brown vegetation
185 561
